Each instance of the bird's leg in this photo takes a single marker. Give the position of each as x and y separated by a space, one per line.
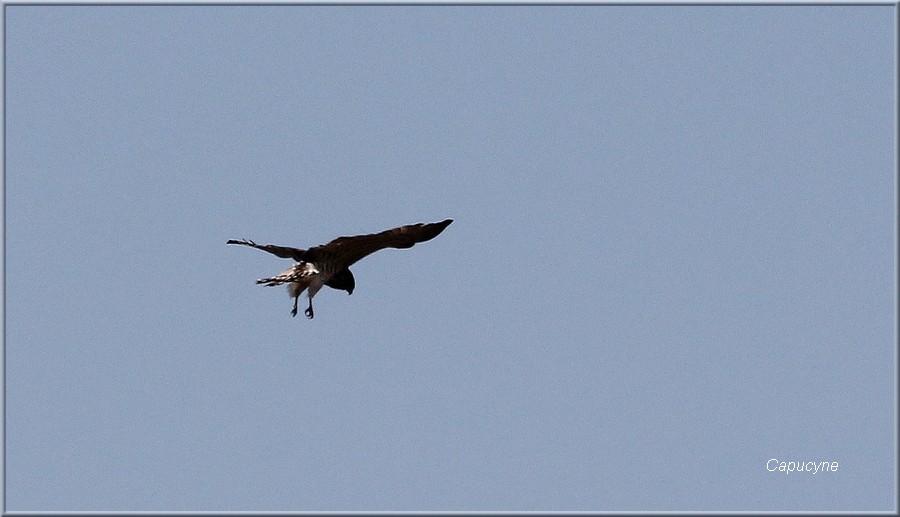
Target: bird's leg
294 312
309 311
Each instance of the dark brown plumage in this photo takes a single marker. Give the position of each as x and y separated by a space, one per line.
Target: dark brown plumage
329 264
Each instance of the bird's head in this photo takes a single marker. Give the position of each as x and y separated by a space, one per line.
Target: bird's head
342 280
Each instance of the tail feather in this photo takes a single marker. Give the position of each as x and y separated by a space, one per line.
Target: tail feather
294 274
275 280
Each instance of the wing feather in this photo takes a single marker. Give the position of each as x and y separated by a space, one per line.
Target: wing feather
349 250
280 251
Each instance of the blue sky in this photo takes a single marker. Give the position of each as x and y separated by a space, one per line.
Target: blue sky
672 258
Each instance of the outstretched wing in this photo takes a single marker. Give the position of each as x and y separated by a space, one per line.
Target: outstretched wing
345 251
281 251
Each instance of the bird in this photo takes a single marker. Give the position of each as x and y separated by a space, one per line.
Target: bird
329 264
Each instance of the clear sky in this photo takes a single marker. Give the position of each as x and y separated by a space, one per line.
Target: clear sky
672 258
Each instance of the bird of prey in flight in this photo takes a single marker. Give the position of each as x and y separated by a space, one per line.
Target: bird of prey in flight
329 264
